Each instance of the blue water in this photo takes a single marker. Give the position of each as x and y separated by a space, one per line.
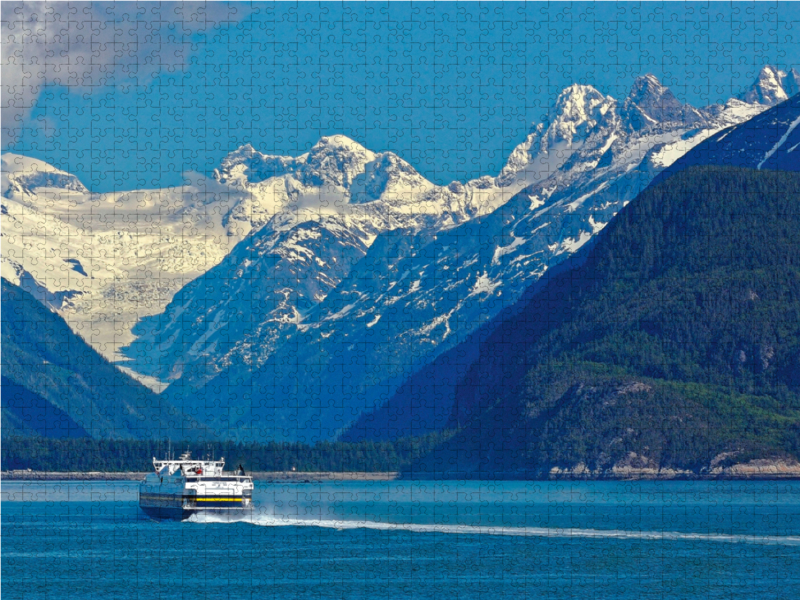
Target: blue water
412 540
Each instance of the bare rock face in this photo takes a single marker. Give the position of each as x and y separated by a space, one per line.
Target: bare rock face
766 352
650 103
761 468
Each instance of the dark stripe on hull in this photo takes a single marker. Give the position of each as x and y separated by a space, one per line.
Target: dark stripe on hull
181 514
177 500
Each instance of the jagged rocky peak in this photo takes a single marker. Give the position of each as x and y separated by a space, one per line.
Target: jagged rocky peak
336 160
388 174
772 86
577 111
243 155
243 152
648 92
390 163
650 103
248 165
333 160
791 82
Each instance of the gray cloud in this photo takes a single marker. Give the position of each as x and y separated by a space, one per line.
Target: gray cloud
84 45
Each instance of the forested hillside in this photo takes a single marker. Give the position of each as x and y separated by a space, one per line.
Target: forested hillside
56 385
676 344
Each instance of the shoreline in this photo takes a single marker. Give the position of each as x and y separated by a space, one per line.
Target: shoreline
319 477
269 476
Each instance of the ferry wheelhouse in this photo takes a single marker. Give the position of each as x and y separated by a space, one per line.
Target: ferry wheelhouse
180 488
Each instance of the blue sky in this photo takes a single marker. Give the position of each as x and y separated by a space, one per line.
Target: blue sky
128 96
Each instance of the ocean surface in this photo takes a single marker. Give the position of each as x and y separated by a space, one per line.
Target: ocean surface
397 539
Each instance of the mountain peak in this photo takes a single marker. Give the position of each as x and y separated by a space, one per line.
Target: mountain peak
246 149
248 165
338 141
242 153
768 88
647 83
391 178
23 175
577 111
578 97
649 103
791 82
336 160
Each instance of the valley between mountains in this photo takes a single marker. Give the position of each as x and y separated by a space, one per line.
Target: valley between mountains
340 293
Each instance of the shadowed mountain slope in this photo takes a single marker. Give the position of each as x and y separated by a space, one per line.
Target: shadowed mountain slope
56 385
676 344
770 140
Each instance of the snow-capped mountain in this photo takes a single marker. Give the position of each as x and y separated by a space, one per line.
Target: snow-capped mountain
337 174
424 401
242 309
418 291
772 86
309 226
106 260
324 209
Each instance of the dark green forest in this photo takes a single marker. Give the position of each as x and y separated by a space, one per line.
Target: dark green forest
676 342
113 456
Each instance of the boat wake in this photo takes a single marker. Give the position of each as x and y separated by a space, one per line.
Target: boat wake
541 532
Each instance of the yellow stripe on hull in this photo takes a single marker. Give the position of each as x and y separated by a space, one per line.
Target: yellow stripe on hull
217 499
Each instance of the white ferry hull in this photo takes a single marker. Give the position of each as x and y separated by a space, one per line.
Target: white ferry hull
180 507
178 489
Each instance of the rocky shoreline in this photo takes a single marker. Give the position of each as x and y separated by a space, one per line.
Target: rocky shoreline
269 476
634 468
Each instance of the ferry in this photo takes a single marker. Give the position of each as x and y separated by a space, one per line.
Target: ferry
177 489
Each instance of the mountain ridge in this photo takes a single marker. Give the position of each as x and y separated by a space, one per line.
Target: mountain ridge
413 406
772 148
559 187
367 335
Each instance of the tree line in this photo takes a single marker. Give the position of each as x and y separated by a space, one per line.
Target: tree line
113 456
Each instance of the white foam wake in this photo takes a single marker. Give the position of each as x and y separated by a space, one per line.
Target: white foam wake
544 532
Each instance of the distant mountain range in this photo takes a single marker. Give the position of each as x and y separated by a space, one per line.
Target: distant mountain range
290 295
420 291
